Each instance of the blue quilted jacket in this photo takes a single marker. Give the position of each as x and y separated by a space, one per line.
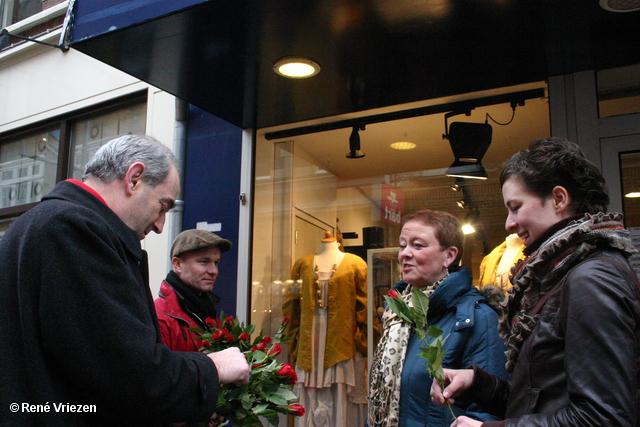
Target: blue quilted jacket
461 312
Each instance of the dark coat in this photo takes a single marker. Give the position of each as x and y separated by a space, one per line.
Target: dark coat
581 364
79 325
471 325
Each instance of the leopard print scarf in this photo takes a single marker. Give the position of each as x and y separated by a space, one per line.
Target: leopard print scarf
534 276
386 368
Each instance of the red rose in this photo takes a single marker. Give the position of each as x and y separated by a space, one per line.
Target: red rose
229 320
288 372
275 350
266 340
209 321
296 410
393 294
244 336
230 337
261 347
206 344
285 321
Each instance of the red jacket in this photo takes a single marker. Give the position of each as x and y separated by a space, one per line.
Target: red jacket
175 322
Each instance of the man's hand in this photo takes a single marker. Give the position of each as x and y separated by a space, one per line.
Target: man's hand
456 381
232 366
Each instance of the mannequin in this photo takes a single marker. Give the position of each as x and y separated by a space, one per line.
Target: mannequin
329 253
328 336
495 268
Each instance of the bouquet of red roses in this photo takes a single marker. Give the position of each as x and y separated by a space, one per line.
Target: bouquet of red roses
269 391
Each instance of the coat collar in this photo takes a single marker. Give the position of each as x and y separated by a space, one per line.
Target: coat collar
74 193
455 292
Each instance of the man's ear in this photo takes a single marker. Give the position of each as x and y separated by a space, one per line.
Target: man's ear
177 264
133 177
561 199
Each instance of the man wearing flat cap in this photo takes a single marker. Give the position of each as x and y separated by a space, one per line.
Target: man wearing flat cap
186 299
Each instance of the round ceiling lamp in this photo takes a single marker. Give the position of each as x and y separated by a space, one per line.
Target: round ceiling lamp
620 6
296 67
403 145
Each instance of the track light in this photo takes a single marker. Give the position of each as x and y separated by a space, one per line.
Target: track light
469 143
354 143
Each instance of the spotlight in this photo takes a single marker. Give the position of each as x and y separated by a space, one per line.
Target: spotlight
354 143
470 220
469 143
468 229
296 67
461 204
458 185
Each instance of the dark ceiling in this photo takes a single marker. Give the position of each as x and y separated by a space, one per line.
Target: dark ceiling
219 55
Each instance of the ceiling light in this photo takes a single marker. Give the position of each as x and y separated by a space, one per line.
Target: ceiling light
632 195
296 67
620 5
403 145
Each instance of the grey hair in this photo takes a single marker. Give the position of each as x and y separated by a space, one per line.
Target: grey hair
113 159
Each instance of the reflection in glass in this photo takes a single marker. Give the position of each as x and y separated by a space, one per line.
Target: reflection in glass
28 167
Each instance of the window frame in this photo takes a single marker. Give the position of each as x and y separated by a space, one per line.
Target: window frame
65 123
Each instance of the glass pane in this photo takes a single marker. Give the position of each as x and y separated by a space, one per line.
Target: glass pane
12 11
28 167
619 91
4 225
90 134
630 171
307 185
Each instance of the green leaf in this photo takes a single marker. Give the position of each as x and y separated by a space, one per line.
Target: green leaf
434 331
278 400
286 394
400 308
420 302
273 418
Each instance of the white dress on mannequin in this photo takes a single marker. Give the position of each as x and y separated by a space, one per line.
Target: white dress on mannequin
335 397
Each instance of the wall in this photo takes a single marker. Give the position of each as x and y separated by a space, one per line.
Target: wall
38 83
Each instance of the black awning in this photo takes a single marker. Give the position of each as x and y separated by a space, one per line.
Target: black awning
218 55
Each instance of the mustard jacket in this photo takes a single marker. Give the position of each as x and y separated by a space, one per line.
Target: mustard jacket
490 263
347 317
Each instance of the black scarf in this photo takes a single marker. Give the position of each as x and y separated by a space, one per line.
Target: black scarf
199 305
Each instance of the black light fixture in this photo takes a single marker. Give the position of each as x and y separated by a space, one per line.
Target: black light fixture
354 143
469 143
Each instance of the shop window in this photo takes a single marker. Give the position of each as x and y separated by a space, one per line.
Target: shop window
619 91
33 161
12 11
307 187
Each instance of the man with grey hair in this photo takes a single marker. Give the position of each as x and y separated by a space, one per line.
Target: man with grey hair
80 339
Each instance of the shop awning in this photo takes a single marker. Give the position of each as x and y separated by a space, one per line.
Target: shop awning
218 55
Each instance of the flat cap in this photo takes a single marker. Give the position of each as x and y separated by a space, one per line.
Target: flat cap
194 239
